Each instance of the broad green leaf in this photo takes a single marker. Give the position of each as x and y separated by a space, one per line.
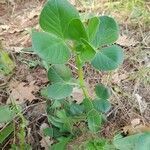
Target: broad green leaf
59 90
6 114
6 132
59 73
88 104
50 48
77 30
92 27
102 91
87 52
94 120
76 109
140 141
62 144
102 105
108 58
107 33
56 16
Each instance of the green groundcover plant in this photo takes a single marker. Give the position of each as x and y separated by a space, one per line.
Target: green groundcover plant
65 35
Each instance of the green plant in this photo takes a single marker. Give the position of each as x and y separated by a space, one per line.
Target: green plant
97 144
139 141
8 113
64 36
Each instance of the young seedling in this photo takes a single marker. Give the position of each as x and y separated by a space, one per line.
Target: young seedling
63 36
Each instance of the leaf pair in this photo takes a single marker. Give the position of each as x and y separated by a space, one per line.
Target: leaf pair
101 103
60 76
93 117
95 107
107 58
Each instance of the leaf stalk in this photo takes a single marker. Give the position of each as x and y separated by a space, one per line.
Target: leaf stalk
81 76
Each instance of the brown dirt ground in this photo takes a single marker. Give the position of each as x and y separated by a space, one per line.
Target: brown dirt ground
128 83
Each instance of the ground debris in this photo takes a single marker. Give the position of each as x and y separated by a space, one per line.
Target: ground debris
124 40
20 91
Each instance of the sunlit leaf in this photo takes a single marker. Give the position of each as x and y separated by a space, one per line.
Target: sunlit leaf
92 27
76 30
56 16
87 52
50 48
107 33
108 58
59 90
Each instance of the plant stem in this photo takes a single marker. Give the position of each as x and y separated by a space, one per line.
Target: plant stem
81 76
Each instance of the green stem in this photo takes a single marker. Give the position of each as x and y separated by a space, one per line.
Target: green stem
81 76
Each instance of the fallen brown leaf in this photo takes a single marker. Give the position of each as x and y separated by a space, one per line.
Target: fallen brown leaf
21 92
135 122
45 142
